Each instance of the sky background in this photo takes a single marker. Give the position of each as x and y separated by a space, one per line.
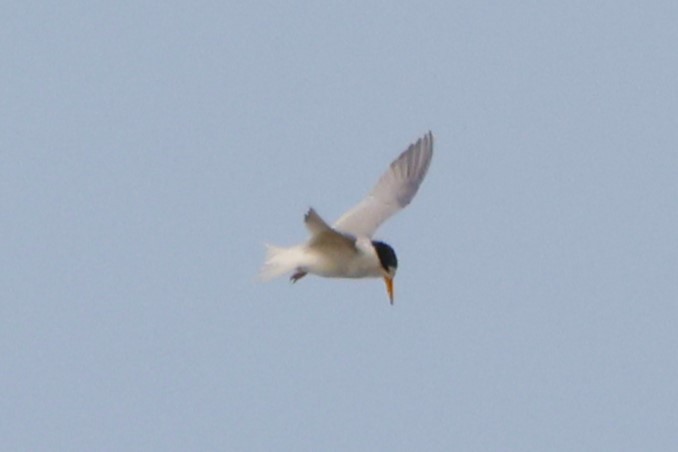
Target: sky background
149 150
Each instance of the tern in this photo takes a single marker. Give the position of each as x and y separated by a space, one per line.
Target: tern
346 249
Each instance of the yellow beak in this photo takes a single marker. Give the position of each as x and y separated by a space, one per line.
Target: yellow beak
389 287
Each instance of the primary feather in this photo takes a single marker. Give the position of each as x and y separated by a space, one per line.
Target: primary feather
394 190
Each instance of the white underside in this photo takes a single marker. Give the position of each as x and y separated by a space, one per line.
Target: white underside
329 262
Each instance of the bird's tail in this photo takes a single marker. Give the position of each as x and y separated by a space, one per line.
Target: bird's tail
280 261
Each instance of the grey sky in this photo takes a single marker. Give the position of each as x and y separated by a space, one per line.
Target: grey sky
149 150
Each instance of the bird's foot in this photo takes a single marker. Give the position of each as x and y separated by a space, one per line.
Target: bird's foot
297 276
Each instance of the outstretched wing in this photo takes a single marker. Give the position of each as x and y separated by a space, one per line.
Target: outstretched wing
323 236
394 191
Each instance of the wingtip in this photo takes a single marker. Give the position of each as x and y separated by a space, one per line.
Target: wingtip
425 142
429 136
310 215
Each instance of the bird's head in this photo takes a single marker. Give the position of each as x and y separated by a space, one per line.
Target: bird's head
389 264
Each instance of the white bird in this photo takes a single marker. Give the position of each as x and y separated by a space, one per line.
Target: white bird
346 249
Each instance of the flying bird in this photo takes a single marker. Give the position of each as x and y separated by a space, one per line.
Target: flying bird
346 249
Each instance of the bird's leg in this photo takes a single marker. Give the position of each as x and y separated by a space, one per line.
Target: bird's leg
297 276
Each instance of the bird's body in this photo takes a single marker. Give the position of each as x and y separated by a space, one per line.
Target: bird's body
327 253
328 260
346 249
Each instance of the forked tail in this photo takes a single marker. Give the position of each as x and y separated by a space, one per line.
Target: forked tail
280 261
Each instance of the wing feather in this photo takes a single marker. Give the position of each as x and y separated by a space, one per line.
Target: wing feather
394 190
323 236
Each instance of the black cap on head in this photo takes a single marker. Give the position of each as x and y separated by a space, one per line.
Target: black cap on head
387 257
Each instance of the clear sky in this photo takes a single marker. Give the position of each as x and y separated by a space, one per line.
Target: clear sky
149 150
